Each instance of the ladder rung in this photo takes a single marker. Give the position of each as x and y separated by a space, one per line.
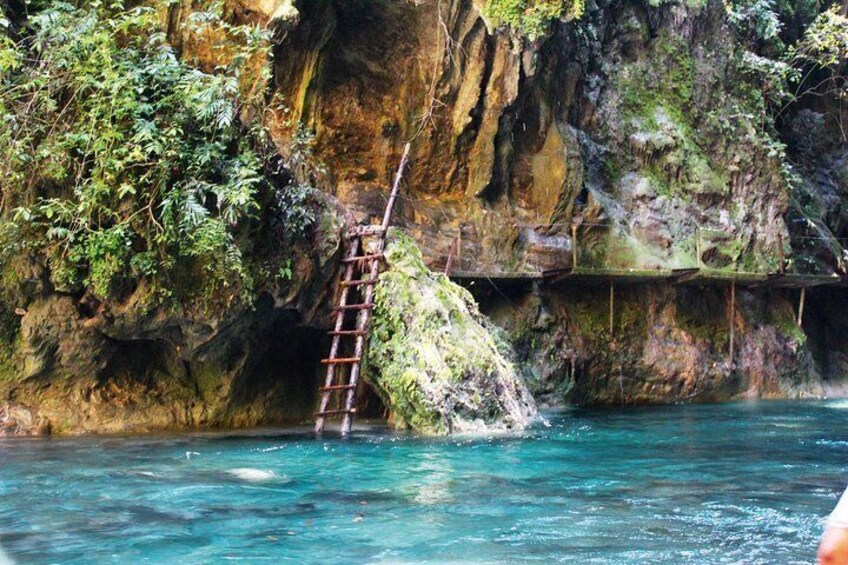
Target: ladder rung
331 412
335 387
341 360
360 282
359 231
354 307
348 332
363 258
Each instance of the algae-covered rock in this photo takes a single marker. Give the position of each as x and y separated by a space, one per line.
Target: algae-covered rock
437 362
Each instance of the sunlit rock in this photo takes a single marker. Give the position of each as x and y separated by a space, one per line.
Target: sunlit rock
440 366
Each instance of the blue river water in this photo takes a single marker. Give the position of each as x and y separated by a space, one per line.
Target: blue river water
733 483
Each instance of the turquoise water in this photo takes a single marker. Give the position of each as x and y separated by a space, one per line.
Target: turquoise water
739 483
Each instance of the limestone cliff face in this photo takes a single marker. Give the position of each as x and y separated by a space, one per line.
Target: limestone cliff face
670 343
641 124
78 366
638 123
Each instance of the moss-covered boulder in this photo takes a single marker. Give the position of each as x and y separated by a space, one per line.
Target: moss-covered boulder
439 364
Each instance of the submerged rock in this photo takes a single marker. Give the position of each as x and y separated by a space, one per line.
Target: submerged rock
437 362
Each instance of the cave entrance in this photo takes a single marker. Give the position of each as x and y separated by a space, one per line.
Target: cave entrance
285 377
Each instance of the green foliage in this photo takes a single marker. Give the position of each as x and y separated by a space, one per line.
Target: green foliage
285 271
773 76
819 58
120 161
757 19
825 43
295 212
765 78
531 17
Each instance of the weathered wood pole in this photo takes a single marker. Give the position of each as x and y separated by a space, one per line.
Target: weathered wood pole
731 316
451 253
573 245
404 161
611 307
698 247
459 248
801 305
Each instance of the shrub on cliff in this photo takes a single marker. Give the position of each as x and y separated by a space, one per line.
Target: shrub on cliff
530 17
119 161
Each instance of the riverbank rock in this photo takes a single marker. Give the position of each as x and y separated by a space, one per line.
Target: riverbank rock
17 420
69 365
671 344
439 365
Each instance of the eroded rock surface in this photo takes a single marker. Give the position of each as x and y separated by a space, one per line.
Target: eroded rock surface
637 122
515 140
667 344
439 364
80 366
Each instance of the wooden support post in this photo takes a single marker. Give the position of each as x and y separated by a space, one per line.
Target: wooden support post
612 308
732 316
404 161
451 253
801 306
573 245
459 248
698 247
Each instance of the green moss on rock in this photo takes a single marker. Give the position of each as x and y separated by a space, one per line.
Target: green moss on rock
438 363
530 17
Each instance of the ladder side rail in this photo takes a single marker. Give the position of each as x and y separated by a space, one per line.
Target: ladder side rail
404 161
363 324
334 347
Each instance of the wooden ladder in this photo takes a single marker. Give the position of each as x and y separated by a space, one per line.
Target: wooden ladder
360 272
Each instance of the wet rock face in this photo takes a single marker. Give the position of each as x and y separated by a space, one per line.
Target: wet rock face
620 121
17 420
439 365
669 344
511 136
818 215
617 121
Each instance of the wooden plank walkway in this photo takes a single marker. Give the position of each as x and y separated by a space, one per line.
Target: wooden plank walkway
611 278
693 276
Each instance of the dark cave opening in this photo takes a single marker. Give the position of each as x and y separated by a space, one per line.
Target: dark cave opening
826 328
287 373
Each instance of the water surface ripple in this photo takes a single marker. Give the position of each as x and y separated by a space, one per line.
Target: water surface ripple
734 483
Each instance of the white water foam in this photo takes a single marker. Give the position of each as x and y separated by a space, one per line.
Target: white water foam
836 405
252 475
5 559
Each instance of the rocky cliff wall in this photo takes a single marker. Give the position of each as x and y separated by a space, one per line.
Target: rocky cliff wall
647 126
640 123
73 366
666 343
